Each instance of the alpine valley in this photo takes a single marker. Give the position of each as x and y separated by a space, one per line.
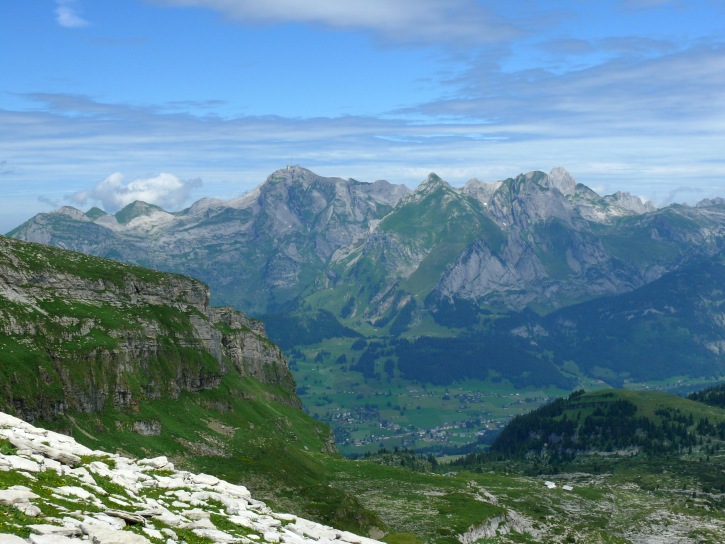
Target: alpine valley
427 318
134 411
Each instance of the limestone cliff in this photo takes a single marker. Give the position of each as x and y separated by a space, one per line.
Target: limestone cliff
80 334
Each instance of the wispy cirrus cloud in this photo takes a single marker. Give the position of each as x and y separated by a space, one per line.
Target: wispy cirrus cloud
680 92
630 46
67 14
458 22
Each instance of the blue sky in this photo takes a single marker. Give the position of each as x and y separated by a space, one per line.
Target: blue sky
171 100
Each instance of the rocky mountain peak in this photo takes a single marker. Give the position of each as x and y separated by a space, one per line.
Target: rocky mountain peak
561 180
432 183
384 192
136 209
707 202
205 204
292 174
95 213
71 212
433 180
482 191
630 202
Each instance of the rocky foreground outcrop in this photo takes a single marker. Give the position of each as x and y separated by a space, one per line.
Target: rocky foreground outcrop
54 490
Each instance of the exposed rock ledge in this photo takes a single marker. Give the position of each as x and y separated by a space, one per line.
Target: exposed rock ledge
499 525
79 332
64 492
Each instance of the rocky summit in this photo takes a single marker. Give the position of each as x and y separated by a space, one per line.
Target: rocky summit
56 491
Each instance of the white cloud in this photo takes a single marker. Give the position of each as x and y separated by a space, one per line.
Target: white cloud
66 13
459 22
165 190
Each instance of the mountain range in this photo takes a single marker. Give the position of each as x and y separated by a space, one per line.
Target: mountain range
257 252
535 281
367 250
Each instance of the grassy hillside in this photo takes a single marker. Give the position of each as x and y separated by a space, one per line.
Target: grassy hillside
607 421
237 432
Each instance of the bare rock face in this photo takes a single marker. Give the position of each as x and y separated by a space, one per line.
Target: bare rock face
528 200
704 203
561 180
81 333
630 202
481 190
478 273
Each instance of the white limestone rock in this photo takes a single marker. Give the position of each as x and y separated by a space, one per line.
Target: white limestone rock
100 468
127 517
16 462
155 463
51 539
215 535
74 491
36 446
110 536
28 509
83 475
16 494
11 539
51 464
170 534
233 490
198 496
11 422
45 529
205 479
